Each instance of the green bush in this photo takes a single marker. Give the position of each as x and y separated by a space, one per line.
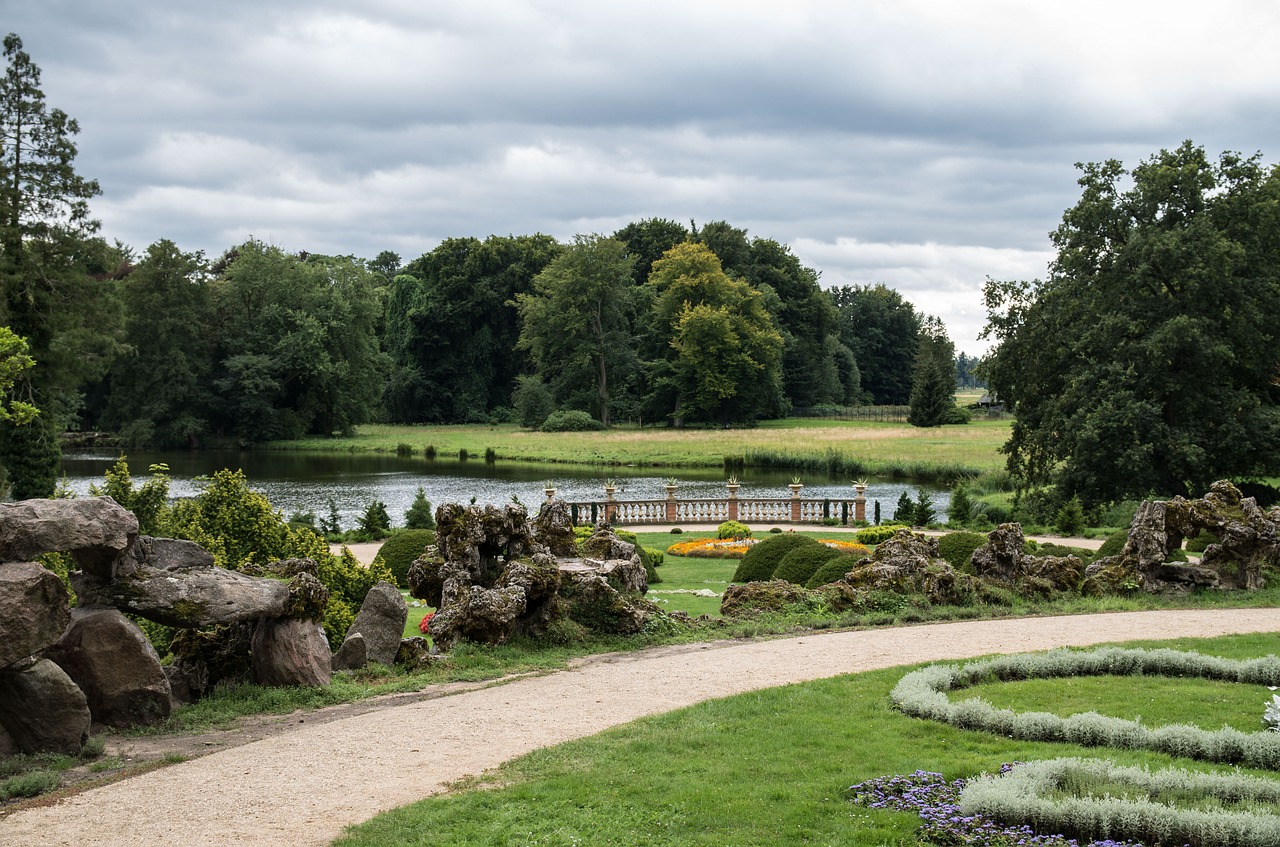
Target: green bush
763 557
375 523
960 512
1201 541
1114 544
957 547
571 421
1070 517
832 570
400 551
419 514
733 529
803 562
877 534
1080 553
652 561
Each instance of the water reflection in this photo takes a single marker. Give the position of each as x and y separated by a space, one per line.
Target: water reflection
310 482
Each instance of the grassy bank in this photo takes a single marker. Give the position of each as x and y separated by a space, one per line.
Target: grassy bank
772 766
853 447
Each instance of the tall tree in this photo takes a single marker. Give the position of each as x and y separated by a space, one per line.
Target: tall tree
452 328
44 283
647 240
1145 362
160 392
882 330
577 320
722 360
933 379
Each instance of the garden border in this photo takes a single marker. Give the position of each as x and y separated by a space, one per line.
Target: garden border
921 694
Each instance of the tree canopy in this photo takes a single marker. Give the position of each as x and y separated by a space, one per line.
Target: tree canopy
1147 361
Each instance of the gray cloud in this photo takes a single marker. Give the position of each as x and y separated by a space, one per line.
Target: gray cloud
922 143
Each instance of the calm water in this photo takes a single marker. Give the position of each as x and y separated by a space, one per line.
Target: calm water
302 482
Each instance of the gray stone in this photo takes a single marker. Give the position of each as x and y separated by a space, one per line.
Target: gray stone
96 531
290 652
34 610
554 527
42 709
351 654
416 653
114 664
198 598
381 622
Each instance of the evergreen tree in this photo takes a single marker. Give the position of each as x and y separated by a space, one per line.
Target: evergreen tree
1070 518
905 511
961 505
419 514
933 380
924 512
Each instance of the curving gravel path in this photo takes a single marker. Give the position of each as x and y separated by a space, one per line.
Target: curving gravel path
303 787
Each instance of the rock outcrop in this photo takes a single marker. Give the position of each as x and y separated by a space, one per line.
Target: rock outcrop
34 610
287 651
1003 560
909 564
1249 542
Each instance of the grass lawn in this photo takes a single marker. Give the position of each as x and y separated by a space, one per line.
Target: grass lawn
879 447
771 767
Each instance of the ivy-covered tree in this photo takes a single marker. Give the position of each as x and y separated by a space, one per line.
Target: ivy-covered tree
1146 361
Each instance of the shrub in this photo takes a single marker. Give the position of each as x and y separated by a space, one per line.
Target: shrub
532 401
832 570
1114 544
877 534
675 530
961 510
801 563
419 514
652 560
957 547
1070 518
905 511
1080 553
571 421
400 551
733 529
924 512
762 559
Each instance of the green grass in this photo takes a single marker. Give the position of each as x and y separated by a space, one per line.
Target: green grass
876 448
768 767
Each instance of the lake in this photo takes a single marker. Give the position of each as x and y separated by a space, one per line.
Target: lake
308 482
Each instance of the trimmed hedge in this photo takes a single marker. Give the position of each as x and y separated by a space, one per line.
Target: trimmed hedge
922 694
400 550
1024 793
1114 544
802 562
876 534
571 421
958 547
832 570
763 557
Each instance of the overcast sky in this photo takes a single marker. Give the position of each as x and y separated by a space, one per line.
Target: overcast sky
926 144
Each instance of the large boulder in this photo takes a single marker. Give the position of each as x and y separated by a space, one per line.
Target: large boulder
380 625
114 664
42 709
753 598
287 651
34 610
1004 560
200 597
590 600
1000 558
96 531
475 613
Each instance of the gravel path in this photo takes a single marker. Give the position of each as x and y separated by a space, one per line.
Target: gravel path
302 787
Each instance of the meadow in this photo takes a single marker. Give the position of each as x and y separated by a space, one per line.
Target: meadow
870 448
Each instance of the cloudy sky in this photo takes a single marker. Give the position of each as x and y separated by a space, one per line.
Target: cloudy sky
926 144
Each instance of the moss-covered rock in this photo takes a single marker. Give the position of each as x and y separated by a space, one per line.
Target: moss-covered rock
760 596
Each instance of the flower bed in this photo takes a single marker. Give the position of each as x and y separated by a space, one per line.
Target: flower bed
736 548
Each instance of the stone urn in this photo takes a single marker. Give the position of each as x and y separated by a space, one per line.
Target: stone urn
733 488
671 491
795 488
550 492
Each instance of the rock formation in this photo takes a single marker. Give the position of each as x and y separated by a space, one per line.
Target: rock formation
375 634
909 564
1004 561
1248 542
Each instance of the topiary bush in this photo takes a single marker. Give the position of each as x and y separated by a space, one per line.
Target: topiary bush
877 534
1114 544
652 561
762 559
801 563
733 529
400 551
957 547
832 570
571 421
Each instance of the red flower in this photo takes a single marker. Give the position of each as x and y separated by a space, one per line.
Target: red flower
425 623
